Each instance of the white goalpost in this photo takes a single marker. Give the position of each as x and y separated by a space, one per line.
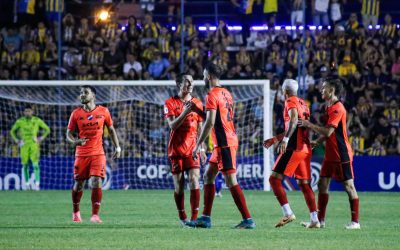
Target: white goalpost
137 110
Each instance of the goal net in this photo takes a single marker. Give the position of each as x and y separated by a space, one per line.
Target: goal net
137 111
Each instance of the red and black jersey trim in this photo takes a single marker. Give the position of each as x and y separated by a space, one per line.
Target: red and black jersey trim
341 143
226 156
346 169
283 162
292 143
222 141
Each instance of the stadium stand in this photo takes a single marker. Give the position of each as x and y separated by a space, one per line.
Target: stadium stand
148 47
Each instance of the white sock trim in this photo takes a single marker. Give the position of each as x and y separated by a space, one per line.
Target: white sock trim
287 210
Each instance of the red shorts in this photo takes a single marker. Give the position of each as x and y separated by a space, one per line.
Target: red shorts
295 164
86 166
340 171
224 159
183 163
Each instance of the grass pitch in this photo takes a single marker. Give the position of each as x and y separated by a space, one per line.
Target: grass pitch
148 220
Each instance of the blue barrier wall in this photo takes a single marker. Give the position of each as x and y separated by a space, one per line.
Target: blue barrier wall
371 173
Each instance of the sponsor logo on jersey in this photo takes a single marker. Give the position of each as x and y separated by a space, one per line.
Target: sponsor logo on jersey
90 124
90 117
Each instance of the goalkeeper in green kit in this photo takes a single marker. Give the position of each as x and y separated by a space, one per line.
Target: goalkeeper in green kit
25 133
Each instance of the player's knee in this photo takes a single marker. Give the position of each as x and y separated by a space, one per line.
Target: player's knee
78 185
349 186
322 187
273 178
96 182
208 178
302 182
231 181
193 181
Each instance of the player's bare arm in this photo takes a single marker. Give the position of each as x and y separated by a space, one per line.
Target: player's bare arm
210 121
203 147
199 112
74 140
271 141
175 123
293 114
115 141
324 131
318 141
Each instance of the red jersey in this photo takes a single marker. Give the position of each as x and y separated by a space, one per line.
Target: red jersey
182 140
338 148
90 125
223 133
299 141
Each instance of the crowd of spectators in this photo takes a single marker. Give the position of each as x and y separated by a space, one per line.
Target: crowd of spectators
141 48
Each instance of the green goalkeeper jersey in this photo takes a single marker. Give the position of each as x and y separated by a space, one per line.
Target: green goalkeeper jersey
26 129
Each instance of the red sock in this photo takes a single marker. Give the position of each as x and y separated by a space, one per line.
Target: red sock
194 203
279 191
180 205
309 197
323 199
354 204
76 199
240 201
209 194
97 194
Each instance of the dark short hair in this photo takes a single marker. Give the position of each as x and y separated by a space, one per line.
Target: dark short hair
28 106
337 84
89 87
179 78
214 70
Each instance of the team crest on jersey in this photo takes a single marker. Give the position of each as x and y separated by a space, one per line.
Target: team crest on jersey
90 117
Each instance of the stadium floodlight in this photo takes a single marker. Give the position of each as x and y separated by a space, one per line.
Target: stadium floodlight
259 28
264 27
103 15
204 28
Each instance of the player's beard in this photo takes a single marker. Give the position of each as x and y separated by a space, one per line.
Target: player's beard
84 101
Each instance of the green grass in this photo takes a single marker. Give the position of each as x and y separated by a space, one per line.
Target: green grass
148 220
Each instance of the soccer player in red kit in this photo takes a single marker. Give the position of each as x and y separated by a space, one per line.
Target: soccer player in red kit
184 116
294 158
85 132
219 118
338 160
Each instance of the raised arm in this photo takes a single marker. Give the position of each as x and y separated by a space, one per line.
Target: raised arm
324 131
175 122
